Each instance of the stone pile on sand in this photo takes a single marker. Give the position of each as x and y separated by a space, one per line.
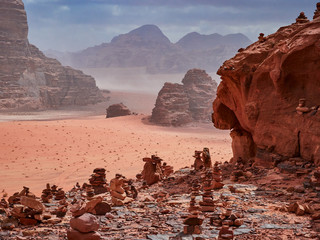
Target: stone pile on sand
98 181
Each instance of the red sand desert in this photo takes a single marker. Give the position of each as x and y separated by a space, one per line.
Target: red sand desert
63 152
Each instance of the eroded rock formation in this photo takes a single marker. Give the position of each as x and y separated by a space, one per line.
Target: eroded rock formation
260 90
117 110
28 79
179 104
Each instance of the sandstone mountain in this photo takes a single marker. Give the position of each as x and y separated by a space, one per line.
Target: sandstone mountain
148 47
30 80
260 90
179 104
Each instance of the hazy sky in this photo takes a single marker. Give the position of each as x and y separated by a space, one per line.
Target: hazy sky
70 25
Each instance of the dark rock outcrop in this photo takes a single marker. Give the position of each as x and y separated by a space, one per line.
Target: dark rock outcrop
28 79
179 104
117 110
260 90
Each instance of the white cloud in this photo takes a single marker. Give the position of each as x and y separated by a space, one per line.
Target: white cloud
64 8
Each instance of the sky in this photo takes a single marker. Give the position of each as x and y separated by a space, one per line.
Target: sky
73 25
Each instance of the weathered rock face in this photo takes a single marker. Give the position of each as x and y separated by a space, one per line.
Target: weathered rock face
200 90
260 90
28 79
179 104
172 106
117 110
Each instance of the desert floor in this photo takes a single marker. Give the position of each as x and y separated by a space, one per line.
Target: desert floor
65 151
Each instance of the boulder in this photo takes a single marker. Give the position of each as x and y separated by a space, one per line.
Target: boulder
117 110
75 235
32 203
85 223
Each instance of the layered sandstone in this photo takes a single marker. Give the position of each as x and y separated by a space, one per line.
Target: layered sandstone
28 79
179 104
260 90
172 106
200 90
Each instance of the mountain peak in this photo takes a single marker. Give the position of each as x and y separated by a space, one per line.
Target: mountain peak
144 34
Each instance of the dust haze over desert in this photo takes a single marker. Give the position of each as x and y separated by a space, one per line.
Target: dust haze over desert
159 119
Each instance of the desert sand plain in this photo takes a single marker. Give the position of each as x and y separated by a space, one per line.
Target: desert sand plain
63 147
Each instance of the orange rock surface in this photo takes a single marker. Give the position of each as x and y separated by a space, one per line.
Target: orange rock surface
260 90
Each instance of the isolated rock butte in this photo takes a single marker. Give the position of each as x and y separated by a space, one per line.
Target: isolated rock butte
28 79
179 104
260 90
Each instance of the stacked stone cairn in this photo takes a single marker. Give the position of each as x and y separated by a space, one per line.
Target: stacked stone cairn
225 233
317 11
217 177
198 163
193 221
152 171
28 211
89 191
208 203
166 170
15 198
98 181
316 182
46 195
302 18
60 194
226 219
62 208
117 191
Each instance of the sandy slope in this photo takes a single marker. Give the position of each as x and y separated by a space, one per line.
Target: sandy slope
64 152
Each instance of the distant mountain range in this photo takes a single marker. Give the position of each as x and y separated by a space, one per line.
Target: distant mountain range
148 47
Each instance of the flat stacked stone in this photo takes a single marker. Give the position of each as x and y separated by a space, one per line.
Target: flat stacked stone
198 163
317 11
89 191
60 194
28 212
302 18
98 181
208 203
117 190
46 195
225 233
166 170
193 221
217 177
227 217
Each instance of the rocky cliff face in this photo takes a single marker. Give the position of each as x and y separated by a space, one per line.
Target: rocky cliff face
179 104
260 90
28 79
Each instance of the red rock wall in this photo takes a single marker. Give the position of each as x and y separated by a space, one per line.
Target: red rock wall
260 90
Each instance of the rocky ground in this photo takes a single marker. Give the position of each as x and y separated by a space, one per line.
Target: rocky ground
269 204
